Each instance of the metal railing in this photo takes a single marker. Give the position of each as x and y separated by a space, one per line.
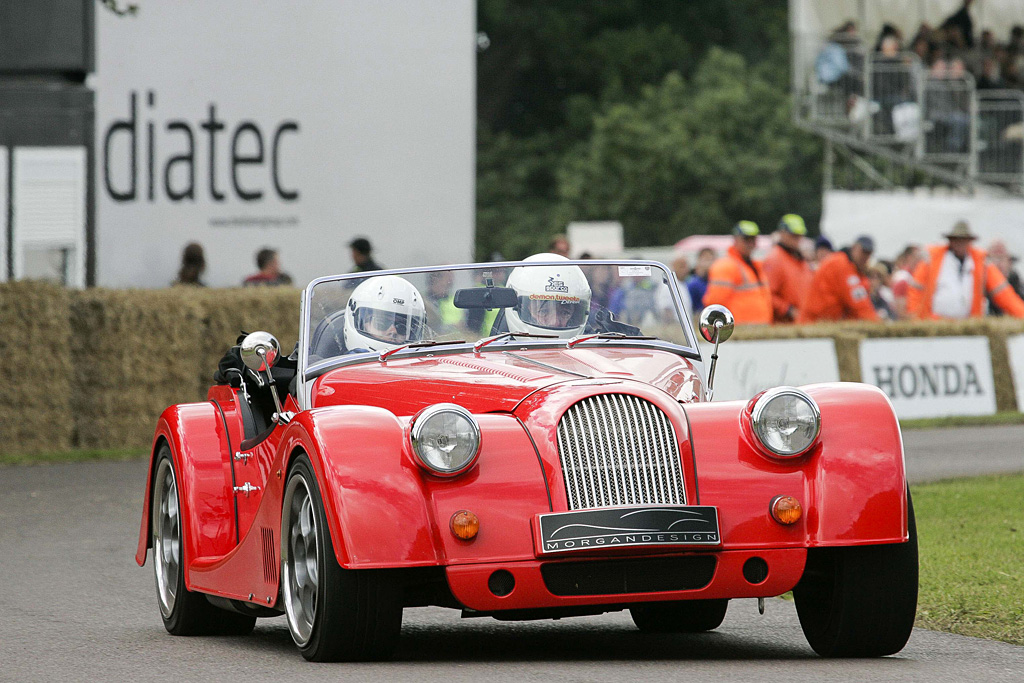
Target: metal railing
1001 136
891 106
949 117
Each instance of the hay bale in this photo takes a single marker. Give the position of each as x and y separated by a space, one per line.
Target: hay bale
135 354
35 348
227 312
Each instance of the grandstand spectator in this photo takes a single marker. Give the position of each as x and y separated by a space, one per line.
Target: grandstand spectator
787 271
738 282
922 48
839 64
697 283
839 288
955 279
948 101
959 27
990 78
902 276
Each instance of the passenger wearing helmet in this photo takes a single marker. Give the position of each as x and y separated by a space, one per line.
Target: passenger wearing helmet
383 312
552 299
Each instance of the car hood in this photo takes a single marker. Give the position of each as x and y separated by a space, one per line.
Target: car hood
498 380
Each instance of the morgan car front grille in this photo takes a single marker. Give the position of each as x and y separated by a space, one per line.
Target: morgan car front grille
618 449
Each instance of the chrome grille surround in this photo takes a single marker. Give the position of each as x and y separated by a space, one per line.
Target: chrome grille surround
618 449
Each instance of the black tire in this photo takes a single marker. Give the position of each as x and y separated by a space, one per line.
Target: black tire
860 601
334 614
184 612
684 616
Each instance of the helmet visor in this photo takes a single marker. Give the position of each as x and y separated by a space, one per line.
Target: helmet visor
553 312
388 326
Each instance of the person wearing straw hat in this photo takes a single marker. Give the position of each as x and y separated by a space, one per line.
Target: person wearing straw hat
788 273
955 279
737 282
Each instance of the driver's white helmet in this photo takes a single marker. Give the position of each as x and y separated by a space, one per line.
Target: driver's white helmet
552 299
383 312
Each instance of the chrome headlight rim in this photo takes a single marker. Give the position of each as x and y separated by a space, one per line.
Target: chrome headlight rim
759 426
416 438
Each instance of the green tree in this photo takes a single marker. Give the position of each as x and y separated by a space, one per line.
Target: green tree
563 91
692 158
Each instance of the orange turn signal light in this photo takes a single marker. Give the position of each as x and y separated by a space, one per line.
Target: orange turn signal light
465 525
785 509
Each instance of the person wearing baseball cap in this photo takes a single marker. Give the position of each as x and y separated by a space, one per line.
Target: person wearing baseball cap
738 282
955 279
839 288
787 270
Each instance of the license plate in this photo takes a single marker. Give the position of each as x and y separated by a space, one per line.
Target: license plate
658 525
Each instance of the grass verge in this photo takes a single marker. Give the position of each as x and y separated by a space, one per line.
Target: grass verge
82 455
971 535
1005 418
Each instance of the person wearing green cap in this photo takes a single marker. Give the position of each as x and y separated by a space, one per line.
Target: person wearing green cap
787 270
737 282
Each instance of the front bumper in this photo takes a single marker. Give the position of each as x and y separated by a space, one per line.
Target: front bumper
680 576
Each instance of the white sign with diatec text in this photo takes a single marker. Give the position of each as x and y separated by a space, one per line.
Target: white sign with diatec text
931 377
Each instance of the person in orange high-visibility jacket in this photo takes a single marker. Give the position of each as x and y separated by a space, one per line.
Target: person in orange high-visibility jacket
954 280
737 282
839 288
788 273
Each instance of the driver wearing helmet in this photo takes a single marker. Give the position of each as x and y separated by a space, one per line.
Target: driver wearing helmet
383 312
552 299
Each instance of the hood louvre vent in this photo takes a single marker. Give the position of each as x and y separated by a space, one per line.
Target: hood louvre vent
618 449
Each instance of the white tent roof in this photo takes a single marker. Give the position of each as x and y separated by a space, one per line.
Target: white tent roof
820 17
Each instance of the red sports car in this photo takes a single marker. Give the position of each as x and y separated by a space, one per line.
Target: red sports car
521 440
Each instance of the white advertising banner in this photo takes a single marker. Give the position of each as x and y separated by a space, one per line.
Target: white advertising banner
1015 346
748 367
298 126
931 377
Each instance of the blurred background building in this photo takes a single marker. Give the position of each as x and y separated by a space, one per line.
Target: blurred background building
130 130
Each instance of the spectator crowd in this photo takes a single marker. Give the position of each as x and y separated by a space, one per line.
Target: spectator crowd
805 281
921 87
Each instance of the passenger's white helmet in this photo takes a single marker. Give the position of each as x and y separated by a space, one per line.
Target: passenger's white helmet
552 299
384 312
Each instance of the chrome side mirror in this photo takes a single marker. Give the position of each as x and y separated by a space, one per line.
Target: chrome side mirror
259 351
716 325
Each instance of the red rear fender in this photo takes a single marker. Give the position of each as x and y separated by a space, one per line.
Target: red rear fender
202 468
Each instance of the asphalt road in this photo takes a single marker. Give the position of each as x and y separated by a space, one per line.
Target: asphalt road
75 607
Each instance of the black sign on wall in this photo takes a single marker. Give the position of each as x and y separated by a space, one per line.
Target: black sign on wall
47 47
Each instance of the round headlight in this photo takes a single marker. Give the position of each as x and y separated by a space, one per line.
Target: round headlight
446 439
786 421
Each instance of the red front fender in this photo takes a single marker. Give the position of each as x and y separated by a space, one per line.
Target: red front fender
852 486
373 495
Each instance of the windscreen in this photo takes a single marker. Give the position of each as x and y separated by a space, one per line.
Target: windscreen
537 302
